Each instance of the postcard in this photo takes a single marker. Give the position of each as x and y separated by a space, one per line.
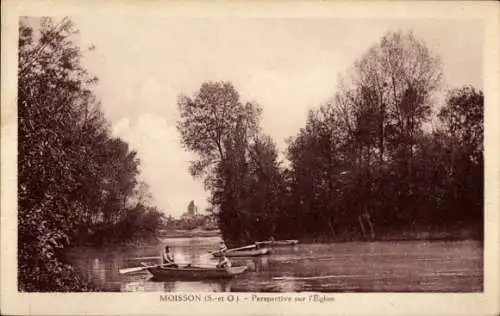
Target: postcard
263 158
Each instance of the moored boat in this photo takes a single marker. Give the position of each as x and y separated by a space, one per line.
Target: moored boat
277 243
245 253
194 272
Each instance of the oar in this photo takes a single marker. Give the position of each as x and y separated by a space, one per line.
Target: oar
305 278
185 265
155 258
263 242
144 267
234 249
144 258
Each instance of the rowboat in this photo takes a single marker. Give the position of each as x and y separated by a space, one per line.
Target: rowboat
244 253
278 243
194 272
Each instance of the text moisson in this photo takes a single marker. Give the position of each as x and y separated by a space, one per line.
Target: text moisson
180 298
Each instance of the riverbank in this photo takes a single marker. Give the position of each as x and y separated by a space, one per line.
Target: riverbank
181 233
417 234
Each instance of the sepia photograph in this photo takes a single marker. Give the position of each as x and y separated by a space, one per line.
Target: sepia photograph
210 154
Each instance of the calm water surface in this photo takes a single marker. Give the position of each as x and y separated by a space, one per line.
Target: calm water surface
410 266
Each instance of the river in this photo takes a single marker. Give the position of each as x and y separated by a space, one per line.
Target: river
409 266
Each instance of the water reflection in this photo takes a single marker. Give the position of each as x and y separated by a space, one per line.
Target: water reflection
98 271
149 285
356 266
256 264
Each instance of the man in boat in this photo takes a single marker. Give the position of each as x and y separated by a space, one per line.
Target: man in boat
224 262
222 247
168 257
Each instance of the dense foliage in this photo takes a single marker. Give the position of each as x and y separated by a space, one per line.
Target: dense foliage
76 183
236 162
374 162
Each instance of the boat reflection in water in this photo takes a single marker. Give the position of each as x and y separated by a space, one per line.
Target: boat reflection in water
255 264
98 271
177 286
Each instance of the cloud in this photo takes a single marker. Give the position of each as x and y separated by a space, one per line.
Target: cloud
288 96
164 165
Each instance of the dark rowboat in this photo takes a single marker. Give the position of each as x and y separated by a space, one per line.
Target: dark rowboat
194 273
245 253
278 243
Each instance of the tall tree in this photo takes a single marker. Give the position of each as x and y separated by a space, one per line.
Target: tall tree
74 179
363 142
462 118
390 95
209 121
54 98
218 127
265 187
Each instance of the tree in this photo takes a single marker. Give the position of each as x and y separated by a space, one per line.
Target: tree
363 143
463 119
319 156
264 188
218 128
54 99
462 123
75 181
390 97
142 194
208 122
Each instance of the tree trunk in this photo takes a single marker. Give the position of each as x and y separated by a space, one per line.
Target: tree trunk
332 231
363 231
370 224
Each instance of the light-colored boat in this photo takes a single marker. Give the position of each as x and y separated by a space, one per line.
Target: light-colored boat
278 243
244 253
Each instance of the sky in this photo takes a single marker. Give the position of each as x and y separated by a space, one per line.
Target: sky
287 66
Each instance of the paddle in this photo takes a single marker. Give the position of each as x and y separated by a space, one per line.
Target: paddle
137 269
305 278
267 242
144 258
234 249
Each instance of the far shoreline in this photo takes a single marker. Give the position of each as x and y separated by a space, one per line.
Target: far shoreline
185 233
453 235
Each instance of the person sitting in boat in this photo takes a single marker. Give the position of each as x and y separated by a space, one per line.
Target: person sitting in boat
222 247
167 257
224 262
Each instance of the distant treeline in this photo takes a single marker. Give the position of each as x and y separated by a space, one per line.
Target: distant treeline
76 183
384 158
197 221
